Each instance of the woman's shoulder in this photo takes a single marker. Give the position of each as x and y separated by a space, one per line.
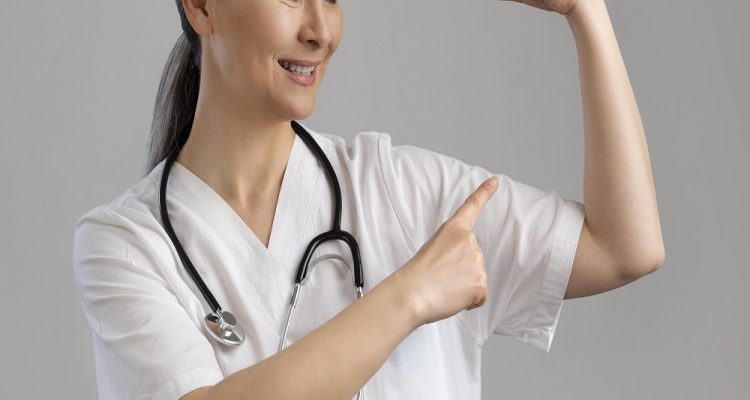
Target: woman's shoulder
334 143
372 145
133 212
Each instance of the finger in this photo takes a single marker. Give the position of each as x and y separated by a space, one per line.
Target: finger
469 211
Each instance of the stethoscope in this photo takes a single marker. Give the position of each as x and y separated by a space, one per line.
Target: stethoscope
221 324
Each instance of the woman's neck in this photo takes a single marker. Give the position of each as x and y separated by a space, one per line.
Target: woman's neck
243 162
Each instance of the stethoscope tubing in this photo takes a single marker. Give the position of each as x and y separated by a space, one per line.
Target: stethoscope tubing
335 233
210 299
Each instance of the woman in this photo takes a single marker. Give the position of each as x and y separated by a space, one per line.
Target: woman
437 238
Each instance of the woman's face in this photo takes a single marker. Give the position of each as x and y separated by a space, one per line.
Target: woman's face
251 41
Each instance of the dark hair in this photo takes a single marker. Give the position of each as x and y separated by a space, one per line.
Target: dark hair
177 97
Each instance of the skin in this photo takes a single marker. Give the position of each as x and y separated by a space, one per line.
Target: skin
240 144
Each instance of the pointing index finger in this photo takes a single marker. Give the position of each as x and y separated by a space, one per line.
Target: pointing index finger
469 211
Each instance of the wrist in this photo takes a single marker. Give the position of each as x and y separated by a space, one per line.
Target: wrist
586 13
407 297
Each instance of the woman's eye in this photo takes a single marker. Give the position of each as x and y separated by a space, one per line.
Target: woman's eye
332 2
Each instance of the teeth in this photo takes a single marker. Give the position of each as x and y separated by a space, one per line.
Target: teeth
298 68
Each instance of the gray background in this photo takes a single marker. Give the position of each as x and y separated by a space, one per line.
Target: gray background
491 83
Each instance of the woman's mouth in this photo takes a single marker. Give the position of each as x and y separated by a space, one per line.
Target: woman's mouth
304 75
299 69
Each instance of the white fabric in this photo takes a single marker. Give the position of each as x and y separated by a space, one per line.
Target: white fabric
146 314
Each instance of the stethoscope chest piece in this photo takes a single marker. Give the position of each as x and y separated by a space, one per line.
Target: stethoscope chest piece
223 327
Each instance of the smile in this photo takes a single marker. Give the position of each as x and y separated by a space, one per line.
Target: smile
304 75
299 69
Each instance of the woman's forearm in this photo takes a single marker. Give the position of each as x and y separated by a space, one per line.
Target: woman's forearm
335 360
619 193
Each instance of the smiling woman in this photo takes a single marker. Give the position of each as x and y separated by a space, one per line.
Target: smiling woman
250 187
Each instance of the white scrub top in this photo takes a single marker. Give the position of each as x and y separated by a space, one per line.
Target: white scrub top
147 315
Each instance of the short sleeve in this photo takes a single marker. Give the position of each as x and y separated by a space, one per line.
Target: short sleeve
145 344
528 237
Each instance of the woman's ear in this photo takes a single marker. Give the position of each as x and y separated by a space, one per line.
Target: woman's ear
197 12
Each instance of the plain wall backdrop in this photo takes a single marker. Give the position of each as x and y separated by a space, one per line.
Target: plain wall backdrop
490 82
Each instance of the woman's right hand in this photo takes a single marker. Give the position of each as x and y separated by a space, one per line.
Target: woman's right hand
447 274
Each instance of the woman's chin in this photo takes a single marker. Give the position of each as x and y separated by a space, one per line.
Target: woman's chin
301 110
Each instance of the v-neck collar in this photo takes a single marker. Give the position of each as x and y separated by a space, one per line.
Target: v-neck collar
293 208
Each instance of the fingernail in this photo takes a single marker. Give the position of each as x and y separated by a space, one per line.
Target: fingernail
493 181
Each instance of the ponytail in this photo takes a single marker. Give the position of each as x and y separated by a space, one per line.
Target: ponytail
177 97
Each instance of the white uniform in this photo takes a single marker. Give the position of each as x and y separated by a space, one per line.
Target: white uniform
147 315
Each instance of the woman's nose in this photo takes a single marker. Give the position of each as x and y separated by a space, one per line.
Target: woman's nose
315 29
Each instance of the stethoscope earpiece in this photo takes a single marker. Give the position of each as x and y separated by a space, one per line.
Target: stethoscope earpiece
223 327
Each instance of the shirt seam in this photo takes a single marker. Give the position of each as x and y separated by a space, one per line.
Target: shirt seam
390 197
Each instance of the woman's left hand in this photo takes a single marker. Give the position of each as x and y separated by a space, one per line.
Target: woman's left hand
564 7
